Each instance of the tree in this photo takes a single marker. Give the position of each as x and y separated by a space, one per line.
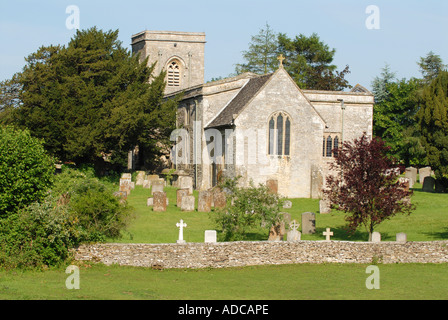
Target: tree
430 67
432 119
261 58
380 84
366 186
26 170
9 98
93 98
309 62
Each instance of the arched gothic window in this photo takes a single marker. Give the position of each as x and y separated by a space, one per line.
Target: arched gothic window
330 146
279 134
173 74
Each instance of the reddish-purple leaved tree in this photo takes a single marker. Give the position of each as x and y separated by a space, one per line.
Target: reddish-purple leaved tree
366 184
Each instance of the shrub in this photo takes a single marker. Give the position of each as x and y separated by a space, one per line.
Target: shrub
247 208
26 170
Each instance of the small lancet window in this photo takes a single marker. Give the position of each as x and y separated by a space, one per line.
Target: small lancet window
173 74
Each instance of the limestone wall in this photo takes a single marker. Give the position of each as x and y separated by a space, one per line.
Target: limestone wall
238 254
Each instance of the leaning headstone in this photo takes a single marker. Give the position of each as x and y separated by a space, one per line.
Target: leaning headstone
411 174
210 236
187 203
156 186
277 232
308 223
219 199
402 237
429 184
179 195
159 202
287 204
324 206
272 186
376 237
423 173
294 233
204 201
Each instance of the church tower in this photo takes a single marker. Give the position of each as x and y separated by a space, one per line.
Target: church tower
180 54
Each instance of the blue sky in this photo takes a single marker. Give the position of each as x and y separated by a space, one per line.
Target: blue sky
408 29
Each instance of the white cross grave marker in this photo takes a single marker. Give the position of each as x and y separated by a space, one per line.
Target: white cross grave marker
181 225
327 234
294 225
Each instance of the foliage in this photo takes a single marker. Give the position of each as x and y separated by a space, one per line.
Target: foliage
430 67
93 98
432 119
366 186
380 84
9 98
246 208
309 62
92 203
39 235
261 58
26 170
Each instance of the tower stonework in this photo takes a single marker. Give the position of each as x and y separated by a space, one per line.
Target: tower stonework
180 54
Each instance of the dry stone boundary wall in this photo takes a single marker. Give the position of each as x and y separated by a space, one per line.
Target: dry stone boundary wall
239 254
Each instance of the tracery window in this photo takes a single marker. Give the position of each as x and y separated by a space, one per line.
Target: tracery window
280 134
173 74
330 146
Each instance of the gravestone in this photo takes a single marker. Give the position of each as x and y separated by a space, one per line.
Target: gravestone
294 233
146 184
324 206
150 202
287 204
179 195
272 185
405 182
308 223
423 173
126 176
159 202
277 232
187 203
286 217
219 199
205 201
317 182
376 237
157 186
402 237
125 185
429 184
181 225
411 174
328 233
140 178
185 182
210 236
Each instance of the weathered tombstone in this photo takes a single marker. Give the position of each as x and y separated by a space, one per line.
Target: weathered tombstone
328 233
126 176
150 202
317 181
152 177
294 233
411 174
423 173
428 184
210 236
204 201
140 178
159 202
308 223
181 225
376 237
179 195
156 186
277 232
187 203
146 184
402 237
286 217
272 186
324 206
132 185
219 199
185 182
287 204
125 185
406 183
123 195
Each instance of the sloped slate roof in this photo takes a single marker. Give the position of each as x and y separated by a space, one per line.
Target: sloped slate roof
225 117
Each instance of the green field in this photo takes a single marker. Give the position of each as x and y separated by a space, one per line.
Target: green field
428 222
287 282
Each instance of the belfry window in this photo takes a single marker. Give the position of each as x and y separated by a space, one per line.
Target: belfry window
173 73
279 135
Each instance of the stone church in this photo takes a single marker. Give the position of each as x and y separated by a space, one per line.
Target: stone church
258 127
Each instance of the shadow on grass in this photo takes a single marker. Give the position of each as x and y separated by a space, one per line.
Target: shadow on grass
342 234
438 235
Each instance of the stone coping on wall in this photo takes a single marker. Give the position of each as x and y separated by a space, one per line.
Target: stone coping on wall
240 254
